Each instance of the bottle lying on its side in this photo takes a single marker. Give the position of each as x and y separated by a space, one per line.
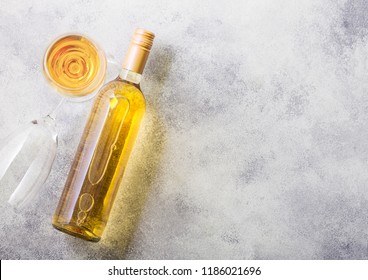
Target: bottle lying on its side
104 149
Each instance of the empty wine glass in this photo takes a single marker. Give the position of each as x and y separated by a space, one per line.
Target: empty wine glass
76 67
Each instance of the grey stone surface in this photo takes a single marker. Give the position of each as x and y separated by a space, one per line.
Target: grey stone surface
254 145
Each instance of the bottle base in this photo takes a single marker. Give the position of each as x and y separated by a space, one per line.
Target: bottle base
77 231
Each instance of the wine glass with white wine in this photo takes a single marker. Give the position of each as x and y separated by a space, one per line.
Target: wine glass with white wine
76 67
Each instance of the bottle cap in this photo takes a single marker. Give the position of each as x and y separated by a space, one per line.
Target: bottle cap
138 51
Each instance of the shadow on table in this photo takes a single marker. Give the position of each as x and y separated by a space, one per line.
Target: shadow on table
141 172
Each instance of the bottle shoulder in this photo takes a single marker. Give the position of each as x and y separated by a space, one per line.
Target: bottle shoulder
119 88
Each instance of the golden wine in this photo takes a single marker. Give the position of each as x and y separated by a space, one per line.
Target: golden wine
75 65
104 149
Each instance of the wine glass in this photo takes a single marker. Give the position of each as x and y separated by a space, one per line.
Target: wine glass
76 67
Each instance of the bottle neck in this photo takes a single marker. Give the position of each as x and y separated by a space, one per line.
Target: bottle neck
130 76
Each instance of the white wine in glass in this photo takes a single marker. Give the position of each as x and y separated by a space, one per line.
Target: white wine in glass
76 67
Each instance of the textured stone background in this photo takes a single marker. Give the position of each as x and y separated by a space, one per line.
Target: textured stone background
255 143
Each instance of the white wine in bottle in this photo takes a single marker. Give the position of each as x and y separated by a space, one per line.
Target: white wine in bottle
104 149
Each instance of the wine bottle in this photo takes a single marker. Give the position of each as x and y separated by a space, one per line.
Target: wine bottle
105 147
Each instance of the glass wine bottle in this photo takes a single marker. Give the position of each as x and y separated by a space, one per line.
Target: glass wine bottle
104 148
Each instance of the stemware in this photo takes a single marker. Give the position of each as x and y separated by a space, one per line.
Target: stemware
76 67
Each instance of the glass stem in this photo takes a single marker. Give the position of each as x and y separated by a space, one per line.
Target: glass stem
52 114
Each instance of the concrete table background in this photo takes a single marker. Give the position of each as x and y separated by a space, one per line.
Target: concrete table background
255 143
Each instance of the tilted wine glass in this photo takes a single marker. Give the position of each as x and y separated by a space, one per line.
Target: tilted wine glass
76 67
